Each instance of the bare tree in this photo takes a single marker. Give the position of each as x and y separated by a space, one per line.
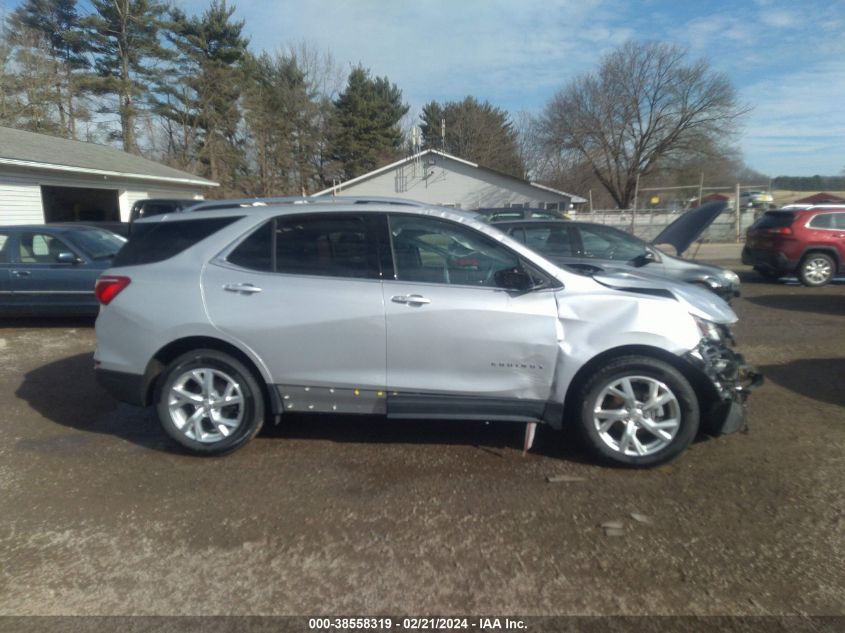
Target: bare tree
645 105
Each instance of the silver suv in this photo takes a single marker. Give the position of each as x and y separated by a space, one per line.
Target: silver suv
225 318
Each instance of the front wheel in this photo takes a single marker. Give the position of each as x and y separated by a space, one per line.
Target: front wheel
638 411
816 269
209 402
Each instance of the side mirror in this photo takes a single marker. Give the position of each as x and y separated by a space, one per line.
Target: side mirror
66 257
513 279
645 258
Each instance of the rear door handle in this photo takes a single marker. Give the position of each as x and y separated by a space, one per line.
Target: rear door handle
413 300
246 289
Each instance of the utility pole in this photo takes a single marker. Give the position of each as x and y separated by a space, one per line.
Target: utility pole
634 210
738 215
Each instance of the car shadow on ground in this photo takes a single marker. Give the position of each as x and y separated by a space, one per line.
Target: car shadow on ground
804 302
491 437
815 378
66 393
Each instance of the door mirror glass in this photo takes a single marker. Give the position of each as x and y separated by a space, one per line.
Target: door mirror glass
514 279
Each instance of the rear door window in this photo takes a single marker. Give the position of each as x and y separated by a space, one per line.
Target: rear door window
551 240
325 244
822 221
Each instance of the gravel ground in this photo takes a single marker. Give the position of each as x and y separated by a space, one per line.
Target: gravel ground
101 514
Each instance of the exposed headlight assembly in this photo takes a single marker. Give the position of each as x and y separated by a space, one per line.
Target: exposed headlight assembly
709 330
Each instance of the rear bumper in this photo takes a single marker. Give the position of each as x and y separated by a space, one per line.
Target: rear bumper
732 380
774 261
122 386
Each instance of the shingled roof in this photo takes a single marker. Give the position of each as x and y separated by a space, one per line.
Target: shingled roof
39 151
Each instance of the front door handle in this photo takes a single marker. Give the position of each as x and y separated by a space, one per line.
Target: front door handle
21 273
413 300
245 289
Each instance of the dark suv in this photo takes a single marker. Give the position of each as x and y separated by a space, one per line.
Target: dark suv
808 241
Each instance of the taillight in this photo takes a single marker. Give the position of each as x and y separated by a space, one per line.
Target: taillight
784 230
109 286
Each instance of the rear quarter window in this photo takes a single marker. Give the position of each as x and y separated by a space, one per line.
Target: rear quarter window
158 241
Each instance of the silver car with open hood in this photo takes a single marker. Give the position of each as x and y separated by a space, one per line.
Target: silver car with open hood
228 317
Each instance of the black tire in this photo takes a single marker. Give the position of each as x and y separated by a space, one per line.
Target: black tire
643 371
816 269
223 370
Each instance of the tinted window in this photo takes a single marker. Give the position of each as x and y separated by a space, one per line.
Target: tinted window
158 241
602 242
824 221
255 252
436 251
839 220
328 245
333 245
550 240
5 255
40 248
96 244
775 220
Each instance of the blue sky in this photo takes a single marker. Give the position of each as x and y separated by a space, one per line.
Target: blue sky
786 58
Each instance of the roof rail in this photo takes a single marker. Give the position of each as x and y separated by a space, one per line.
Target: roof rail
212 205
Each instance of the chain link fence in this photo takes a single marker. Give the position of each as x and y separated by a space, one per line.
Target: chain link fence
648 224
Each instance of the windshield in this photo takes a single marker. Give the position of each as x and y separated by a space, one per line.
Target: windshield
96 244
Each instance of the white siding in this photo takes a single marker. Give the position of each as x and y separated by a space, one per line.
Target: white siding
440 180
20 192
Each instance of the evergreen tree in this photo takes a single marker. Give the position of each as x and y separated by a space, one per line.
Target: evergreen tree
366 122
50 52
202 105
124 37
475 131
282 115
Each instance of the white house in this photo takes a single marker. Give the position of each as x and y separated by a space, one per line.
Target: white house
435 177
48 179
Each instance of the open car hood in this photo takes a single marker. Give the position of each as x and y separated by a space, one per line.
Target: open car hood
690 225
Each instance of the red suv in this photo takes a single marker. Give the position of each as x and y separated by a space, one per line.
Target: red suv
806 241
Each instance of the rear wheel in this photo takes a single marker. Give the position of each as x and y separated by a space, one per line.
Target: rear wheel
638 411
209 402
817 269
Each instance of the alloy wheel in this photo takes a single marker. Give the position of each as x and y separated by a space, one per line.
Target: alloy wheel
637 415
205 404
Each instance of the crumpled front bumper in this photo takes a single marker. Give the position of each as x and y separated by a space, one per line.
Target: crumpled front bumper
731 378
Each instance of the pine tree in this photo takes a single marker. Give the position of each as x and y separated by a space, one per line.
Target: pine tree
50 50
366 121
124 37
202 105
